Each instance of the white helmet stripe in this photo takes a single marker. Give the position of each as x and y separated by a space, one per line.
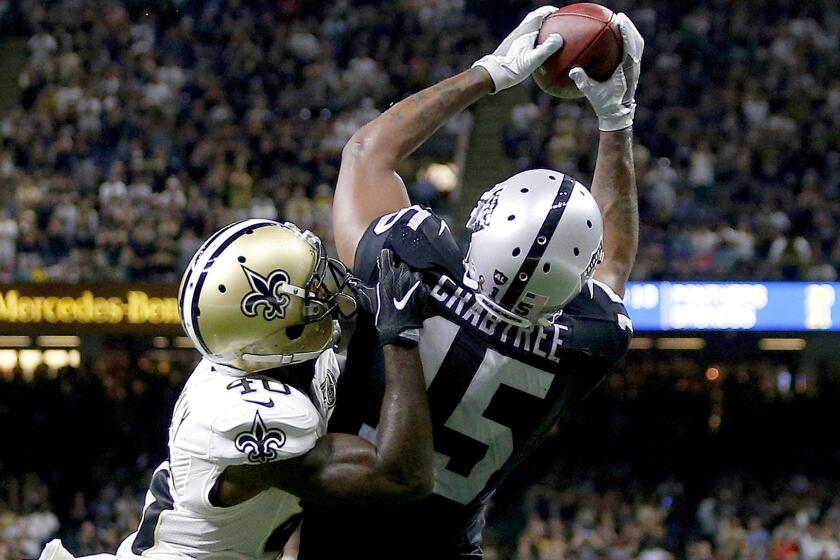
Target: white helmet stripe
539 244
198 270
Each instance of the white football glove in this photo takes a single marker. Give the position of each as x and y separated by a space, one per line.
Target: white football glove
614 101
517 57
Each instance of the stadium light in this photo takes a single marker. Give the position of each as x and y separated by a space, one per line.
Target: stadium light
160 342
641 343
688 343
788 344
57 341
183 342
57 359
15 341
8 360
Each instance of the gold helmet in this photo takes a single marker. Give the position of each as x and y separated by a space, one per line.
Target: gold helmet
261 294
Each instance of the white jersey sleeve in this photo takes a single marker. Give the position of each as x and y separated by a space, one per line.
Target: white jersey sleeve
277 422
327 372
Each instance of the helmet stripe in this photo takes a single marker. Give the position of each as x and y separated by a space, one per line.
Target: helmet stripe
221 240
537 250
197 256
193 323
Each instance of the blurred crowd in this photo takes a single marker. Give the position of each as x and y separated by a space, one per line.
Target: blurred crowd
142 128
139 130
82 478
787 519
698 462
96 522
737 519
737 152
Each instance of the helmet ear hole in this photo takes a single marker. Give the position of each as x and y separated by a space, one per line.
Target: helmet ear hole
294 332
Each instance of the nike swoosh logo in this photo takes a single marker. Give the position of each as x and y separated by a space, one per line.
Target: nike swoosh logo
401 303
269 404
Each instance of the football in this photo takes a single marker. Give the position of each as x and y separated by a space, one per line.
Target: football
592 41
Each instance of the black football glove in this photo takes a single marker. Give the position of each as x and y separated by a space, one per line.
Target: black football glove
396 301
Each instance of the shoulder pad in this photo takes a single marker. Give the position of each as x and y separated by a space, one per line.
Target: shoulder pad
423 240
612 301
248 432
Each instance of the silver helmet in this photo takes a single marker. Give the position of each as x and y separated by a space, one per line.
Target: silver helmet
536 239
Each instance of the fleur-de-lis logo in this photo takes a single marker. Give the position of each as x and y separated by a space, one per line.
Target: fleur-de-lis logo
266 294
261 443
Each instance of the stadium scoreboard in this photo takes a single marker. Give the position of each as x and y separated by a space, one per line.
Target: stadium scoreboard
737 306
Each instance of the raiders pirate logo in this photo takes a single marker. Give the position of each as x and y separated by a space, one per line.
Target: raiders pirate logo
483 211
260 443
596 259
499 277
266 294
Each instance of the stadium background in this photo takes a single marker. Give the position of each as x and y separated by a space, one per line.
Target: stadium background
130 131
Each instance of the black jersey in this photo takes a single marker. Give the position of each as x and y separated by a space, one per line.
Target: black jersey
494 391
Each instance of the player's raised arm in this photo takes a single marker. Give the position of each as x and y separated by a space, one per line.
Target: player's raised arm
346 469
614 182
368 186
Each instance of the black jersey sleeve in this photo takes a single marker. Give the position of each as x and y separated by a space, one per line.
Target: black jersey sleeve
597 322
417 237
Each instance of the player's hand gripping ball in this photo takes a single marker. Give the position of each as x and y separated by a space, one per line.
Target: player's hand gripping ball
591 40
519 54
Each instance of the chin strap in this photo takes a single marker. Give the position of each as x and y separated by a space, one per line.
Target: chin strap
282 359
276 359
501 313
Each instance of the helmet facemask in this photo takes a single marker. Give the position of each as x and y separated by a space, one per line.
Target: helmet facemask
328 292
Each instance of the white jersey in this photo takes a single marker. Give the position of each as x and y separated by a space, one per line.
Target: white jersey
221 420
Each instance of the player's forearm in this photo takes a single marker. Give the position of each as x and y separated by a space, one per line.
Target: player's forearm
404 439
404 127
344 469
614 188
